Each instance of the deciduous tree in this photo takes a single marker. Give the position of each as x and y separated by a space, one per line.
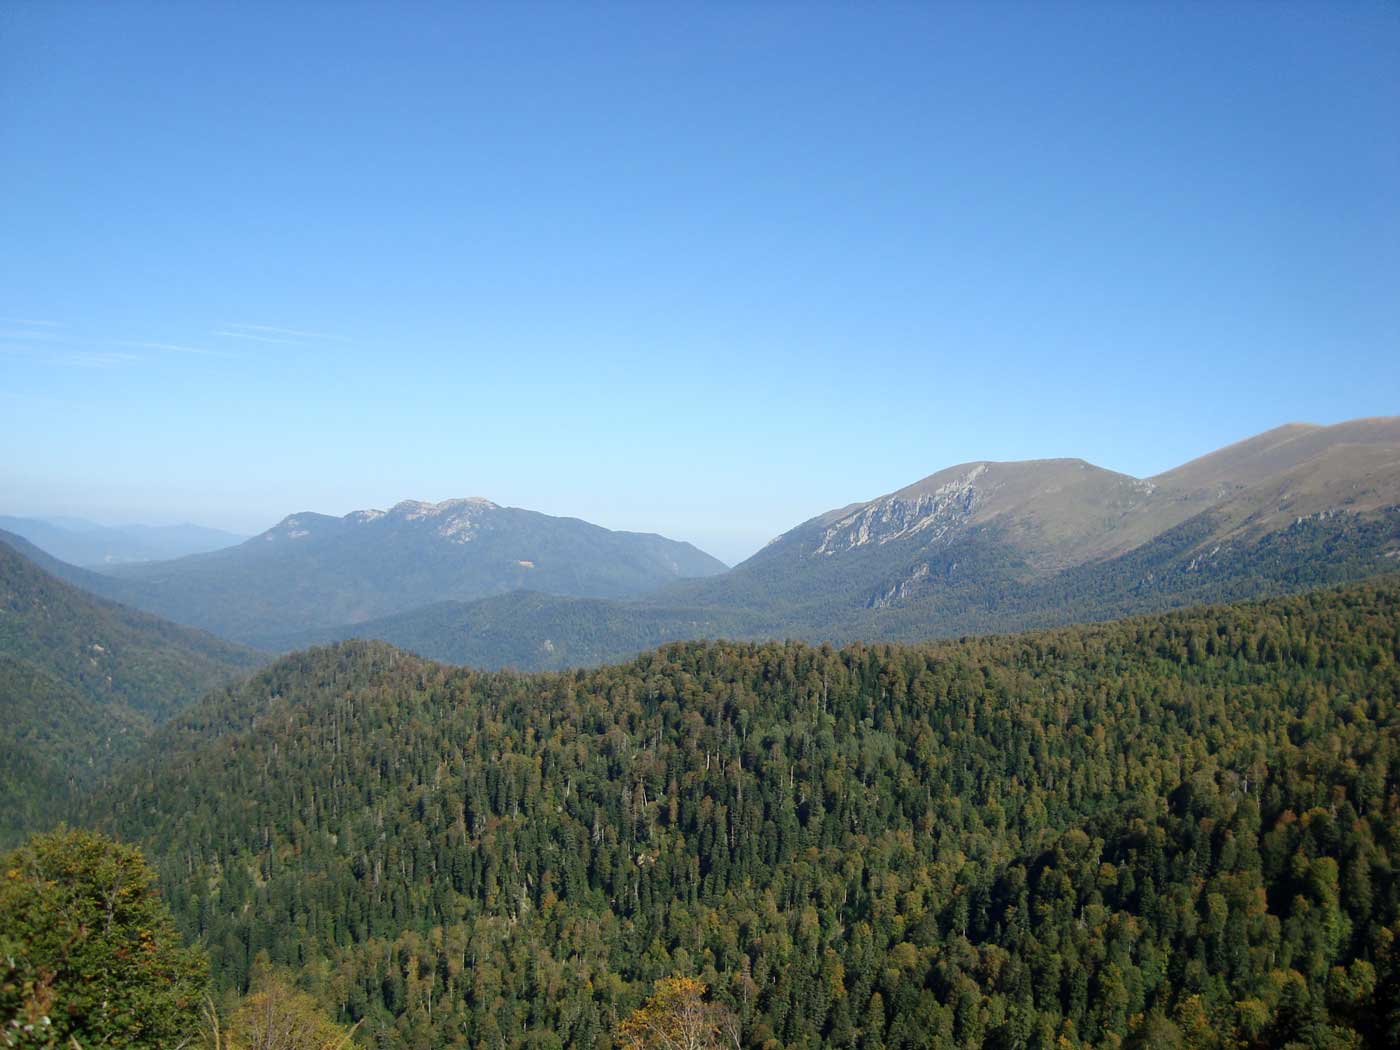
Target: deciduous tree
678 1017
89 946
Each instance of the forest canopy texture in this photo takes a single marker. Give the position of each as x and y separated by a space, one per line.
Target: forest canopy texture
1173 831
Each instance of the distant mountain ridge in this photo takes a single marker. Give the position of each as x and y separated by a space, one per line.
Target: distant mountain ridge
988 546
87 543
315 571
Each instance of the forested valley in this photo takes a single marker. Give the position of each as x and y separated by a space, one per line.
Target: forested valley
1179 830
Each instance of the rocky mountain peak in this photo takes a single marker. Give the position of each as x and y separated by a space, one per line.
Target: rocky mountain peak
934 512
413 509
456 520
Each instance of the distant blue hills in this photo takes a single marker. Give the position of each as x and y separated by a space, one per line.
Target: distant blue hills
92 545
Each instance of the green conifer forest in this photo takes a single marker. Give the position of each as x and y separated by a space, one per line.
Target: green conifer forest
1180 830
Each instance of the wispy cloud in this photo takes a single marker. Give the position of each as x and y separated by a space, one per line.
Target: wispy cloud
42 339
26 336
267 333
173 348
101 358
25 398
229 333
62 355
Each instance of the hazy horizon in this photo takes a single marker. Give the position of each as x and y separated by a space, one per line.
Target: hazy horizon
704 273
732 553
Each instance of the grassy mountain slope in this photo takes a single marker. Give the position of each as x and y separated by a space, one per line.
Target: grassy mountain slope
1058 512
1276 451
83 680
314 571
1177 830
1052 515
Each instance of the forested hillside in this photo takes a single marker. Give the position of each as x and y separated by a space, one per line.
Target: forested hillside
1181 830
82 682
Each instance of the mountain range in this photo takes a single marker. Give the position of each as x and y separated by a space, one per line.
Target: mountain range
974 548
87 543
1171 830
314 571
983 547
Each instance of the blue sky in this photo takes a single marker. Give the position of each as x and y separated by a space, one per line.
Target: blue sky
702 270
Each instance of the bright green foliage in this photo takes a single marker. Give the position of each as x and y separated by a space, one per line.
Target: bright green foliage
1176 831
86 943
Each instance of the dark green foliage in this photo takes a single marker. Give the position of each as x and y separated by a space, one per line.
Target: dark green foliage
1180 830
52 740
88 952
107 651
82 681
527 630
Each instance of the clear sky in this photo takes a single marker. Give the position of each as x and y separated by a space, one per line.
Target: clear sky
705 270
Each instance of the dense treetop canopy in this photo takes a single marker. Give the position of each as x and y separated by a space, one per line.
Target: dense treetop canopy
1177 830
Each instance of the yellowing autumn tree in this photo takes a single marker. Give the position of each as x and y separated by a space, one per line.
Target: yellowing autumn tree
276 1016
678 1017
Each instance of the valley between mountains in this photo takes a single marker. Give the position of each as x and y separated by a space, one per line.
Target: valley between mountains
974 548
1179 827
